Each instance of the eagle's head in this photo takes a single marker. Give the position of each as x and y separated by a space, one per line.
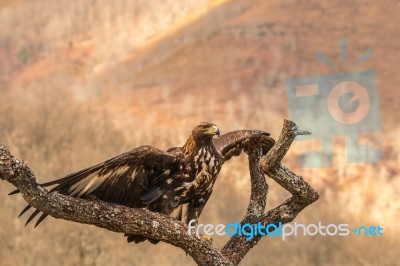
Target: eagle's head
205 131
201 135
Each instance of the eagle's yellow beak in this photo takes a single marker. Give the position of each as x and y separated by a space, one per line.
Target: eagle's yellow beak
212 131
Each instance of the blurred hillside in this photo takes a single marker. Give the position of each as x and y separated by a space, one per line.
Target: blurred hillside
84 81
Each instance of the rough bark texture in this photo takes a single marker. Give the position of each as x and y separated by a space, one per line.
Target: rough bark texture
143 222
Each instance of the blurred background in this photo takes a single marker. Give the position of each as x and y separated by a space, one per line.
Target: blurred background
81 81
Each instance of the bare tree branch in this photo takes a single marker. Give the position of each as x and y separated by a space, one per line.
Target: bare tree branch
302 193
106 215
154 225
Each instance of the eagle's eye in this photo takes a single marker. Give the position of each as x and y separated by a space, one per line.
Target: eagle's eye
209 130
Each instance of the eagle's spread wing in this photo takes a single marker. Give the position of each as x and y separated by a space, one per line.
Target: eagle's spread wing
122 179
233 143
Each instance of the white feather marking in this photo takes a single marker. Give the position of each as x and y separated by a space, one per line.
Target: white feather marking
133 175
167 172
187 184
94 183
211 164
169 181
79 186
98 182
215 170
95 179
121 170
73 193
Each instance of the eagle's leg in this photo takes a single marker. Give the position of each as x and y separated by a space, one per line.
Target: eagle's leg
194 210
196 206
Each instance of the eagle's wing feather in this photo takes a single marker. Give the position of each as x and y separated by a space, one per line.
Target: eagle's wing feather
233 143
122 179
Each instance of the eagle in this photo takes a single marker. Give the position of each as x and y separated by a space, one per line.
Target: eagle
177 182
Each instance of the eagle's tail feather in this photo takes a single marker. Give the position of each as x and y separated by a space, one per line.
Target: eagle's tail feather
41 218
13 192
63 186
24 210
33 215
47 184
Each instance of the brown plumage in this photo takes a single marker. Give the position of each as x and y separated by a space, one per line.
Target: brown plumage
177 182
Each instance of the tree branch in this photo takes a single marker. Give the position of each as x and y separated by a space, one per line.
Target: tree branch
112 217
122 219
302 193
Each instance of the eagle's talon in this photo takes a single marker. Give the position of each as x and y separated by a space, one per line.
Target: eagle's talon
208 238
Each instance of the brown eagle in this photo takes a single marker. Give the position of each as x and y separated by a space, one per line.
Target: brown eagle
177 182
